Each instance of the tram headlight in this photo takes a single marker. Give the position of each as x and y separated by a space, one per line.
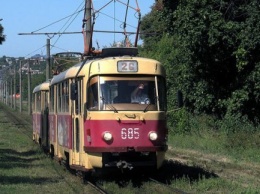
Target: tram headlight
153 136
107 136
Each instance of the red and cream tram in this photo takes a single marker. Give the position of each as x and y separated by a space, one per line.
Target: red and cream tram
107 112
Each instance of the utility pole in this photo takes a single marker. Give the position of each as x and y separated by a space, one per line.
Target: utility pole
1 90
29 90
6 92
7 87
11 90
48 45
20 86
15 85
88 27
48 60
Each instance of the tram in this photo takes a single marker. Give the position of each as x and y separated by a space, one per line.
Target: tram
107 111
40 111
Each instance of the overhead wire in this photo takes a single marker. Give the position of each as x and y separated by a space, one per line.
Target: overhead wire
34 51
139 23
88 45
124 23
52 45
76 13
98 11
127 44
114 21
51 35
56 21
104 6
127 5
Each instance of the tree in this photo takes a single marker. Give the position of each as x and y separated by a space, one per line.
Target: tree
2 37
223 41
151 34
215 46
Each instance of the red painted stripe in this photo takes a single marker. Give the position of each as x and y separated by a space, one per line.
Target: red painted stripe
125 135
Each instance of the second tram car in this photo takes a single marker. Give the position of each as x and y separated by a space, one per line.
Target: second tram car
40 104
108 112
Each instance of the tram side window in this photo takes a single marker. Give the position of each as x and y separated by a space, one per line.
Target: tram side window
62 96
38 102
65 96
46 103
162 93
33 102
51 106
92 103
78 99
151 92
59 98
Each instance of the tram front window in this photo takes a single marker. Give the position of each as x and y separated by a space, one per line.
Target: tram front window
128 93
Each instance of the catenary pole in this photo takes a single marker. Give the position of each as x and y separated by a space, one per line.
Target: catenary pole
88 27
15 85
11 90
48 60
29 90
20 85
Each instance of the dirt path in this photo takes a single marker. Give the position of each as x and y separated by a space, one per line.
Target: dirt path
243 173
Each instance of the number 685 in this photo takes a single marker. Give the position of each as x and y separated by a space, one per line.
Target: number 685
130 133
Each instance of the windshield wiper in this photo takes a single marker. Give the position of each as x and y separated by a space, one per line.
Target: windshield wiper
110 106
146 108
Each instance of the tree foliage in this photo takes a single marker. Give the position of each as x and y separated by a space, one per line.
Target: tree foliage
210 50
2 36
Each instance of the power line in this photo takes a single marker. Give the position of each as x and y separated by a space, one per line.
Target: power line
115 19
69 23
35 50
60 48
57 21
80 32
76 13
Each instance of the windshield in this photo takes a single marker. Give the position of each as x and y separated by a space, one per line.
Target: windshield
127 93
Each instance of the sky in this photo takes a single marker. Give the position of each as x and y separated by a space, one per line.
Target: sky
52 16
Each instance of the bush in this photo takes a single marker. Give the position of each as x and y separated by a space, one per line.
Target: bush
184 122
239 132
178 121
235 123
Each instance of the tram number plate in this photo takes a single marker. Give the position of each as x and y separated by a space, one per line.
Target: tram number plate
130 133
127 66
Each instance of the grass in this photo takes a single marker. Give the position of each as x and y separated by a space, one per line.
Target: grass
233 136
24 168
238 145
232 155
204 160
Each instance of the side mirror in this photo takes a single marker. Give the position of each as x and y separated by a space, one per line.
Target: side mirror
73 91
180 99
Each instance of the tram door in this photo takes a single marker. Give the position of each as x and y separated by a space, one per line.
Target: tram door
77 121
45 124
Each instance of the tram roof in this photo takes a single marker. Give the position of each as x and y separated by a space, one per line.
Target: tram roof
42 87
103 66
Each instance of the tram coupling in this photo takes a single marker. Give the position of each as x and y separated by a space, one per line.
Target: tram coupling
123 165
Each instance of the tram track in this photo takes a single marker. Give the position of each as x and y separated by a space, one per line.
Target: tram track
19 120
173 190
96 187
